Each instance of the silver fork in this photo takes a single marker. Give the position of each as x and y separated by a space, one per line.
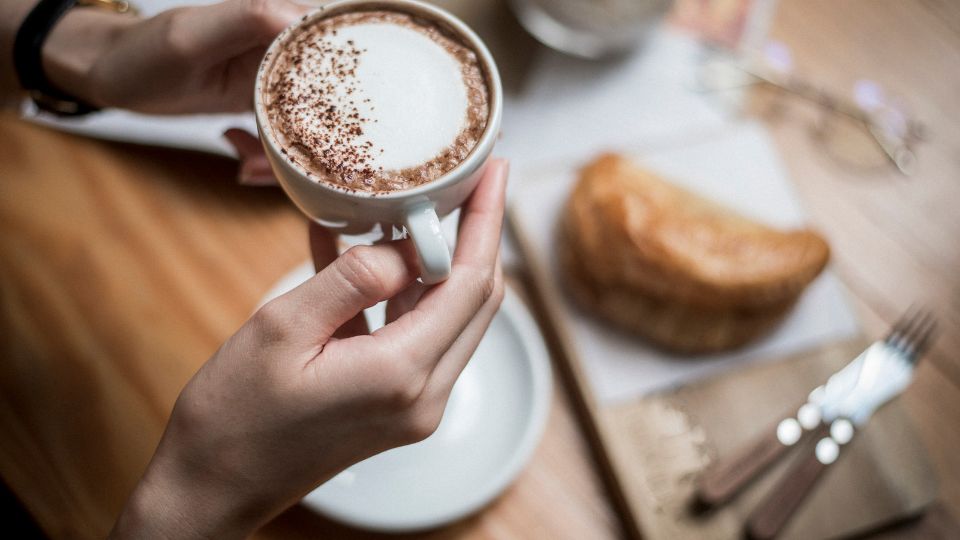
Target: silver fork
911 335
846 403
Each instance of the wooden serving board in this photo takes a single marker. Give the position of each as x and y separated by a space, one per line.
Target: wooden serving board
652 449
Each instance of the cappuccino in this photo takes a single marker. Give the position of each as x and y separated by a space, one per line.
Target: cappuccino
376 100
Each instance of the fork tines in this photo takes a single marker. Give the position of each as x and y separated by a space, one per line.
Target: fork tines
912 333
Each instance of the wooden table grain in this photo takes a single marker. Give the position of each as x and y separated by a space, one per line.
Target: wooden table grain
895 239
122 268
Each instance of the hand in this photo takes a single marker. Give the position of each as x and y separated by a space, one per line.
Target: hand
287 402
185 60
255 169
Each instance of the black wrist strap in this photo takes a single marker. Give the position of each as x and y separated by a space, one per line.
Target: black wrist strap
28 59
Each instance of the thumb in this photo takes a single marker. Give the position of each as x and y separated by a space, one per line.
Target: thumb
358 279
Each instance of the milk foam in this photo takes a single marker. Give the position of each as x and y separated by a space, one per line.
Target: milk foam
417 97
376 100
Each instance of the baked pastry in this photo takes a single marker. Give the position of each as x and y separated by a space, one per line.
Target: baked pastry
686 273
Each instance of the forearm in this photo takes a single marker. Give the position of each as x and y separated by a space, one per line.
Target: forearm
72 47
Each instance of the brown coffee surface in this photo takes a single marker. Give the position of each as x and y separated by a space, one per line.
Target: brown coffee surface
329 92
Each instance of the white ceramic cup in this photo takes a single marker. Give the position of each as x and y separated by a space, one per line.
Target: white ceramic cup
418 209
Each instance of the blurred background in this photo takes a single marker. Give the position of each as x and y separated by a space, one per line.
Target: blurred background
128 258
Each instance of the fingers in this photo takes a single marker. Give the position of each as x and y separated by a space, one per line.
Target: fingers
234 26
408 298
428 330
358 279
323 249
405 301
483 215
254 170
451 365
323 246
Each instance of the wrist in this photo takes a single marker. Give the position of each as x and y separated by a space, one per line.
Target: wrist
169 502
75 44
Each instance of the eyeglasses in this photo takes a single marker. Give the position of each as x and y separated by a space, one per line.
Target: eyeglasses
853 129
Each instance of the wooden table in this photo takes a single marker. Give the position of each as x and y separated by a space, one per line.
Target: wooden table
122 268
895 240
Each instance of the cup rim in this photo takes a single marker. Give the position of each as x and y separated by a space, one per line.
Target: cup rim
474 159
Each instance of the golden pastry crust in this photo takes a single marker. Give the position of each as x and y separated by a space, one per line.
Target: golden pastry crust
687 273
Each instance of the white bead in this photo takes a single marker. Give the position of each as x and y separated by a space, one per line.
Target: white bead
827 451
809 416
841 430
788 432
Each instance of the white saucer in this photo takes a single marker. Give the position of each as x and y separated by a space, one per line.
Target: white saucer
492 424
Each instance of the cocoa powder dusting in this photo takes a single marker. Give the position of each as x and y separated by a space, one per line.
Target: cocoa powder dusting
337 154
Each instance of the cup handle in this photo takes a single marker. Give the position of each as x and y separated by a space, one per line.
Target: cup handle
423 225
